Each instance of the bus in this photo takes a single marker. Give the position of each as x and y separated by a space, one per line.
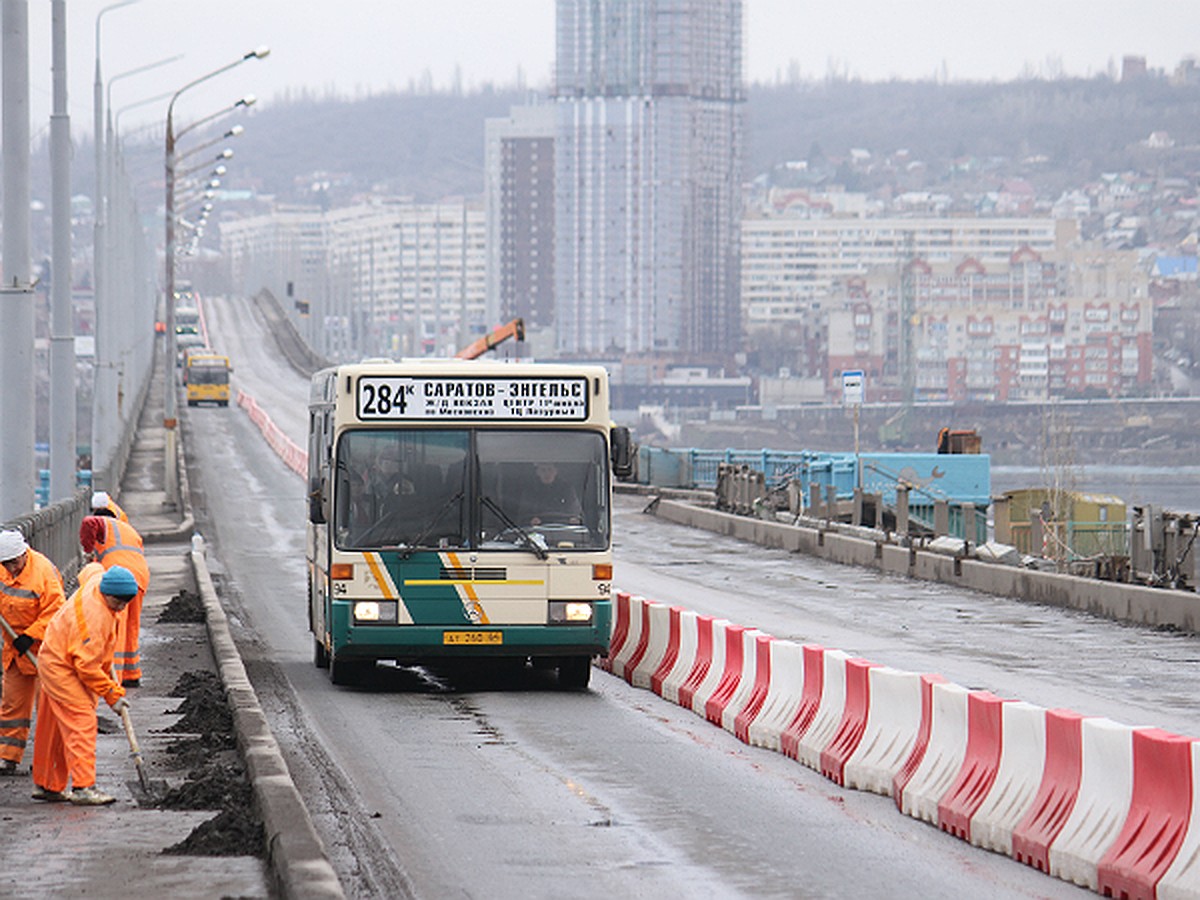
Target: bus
206 375
461 510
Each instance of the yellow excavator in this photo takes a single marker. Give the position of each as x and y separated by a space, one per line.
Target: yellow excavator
514 329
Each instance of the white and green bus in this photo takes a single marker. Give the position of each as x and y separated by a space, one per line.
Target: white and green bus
461 509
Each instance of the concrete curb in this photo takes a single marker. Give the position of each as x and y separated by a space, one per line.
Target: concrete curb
188 524
297 858
1123 602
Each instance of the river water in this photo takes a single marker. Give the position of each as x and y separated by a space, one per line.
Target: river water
1175 488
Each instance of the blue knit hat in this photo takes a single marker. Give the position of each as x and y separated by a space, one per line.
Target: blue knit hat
119 582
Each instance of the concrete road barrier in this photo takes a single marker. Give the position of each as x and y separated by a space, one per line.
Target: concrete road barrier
810 701
670 655
783 696
981 763
943 756
1057 793
619 639
655 640
1158 816
853 724
730 678
756 682
1103 805
686 659
1181 879
1105 789
1018 777
702 663
893 720
829 712
639 636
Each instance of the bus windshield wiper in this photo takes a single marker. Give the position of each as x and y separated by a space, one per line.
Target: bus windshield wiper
407 550
537 548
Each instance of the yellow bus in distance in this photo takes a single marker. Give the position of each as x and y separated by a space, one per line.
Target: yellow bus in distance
207 378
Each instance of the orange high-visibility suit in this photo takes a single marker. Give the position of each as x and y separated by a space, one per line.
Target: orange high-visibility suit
116 543
76 658
27 602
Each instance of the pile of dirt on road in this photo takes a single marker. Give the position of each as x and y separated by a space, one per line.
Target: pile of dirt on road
185 607
216 778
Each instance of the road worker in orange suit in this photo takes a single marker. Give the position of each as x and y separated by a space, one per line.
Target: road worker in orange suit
75 667
31 592
111 542
104 505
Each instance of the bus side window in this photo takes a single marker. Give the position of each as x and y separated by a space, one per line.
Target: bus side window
315 458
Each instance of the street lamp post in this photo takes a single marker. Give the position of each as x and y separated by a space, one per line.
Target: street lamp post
104 409
16 293
63 451
171 479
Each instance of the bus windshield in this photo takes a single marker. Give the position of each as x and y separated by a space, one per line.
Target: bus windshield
528 489
208 374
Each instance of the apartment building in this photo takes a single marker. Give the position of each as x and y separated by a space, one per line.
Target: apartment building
389 276
519 173
1075 323
790 265
648 148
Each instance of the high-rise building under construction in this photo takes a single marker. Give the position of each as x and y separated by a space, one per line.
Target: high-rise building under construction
648 150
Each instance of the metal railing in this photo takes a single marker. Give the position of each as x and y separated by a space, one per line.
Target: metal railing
54 529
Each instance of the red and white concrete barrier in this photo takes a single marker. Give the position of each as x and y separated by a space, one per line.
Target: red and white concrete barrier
756 683
689 645
1018 777
285 448
783 699
1084 799
942 758
654 643
1105 790
890 732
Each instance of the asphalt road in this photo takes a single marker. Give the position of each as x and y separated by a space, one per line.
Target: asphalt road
435 785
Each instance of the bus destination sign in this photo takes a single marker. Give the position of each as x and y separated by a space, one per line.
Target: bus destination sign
402 398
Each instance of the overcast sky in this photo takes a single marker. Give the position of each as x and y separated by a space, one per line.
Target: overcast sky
357 46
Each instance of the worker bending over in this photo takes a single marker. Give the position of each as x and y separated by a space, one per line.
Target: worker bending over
75 665
31 592
111 542
104 505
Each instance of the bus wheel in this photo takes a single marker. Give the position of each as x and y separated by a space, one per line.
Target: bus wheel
320 654
574 672
349 671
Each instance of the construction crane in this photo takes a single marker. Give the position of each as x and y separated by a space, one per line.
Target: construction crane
514 329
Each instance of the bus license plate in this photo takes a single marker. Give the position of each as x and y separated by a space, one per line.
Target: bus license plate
472 637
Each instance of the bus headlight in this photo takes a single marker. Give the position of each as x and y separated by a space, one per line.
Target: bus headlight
563 611
372 611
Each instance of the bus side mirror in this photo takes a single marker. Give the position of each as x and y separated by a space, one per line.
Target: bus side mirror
317 502
621 451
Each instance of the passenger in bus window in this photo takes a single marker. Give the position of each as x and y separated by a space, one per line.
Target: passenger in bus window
550 498
374 480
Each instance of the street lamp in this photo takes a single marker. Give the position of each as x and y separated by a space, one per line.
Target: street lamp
169 422
105 407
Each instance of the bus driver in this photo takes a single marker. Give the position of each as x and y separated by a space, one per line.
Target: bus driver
551 498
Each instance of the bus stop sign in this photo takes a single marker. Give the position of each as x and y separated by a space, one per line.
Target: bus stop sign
852 387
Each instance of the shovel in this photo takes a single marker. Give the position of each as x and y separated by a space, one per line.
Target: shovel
151 790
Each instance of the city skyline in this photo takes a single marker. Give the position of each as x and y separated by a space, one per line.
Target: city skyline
372 47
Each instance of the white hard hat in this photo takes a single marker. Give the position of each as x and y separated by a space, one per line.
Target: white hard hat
12 545
100 500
